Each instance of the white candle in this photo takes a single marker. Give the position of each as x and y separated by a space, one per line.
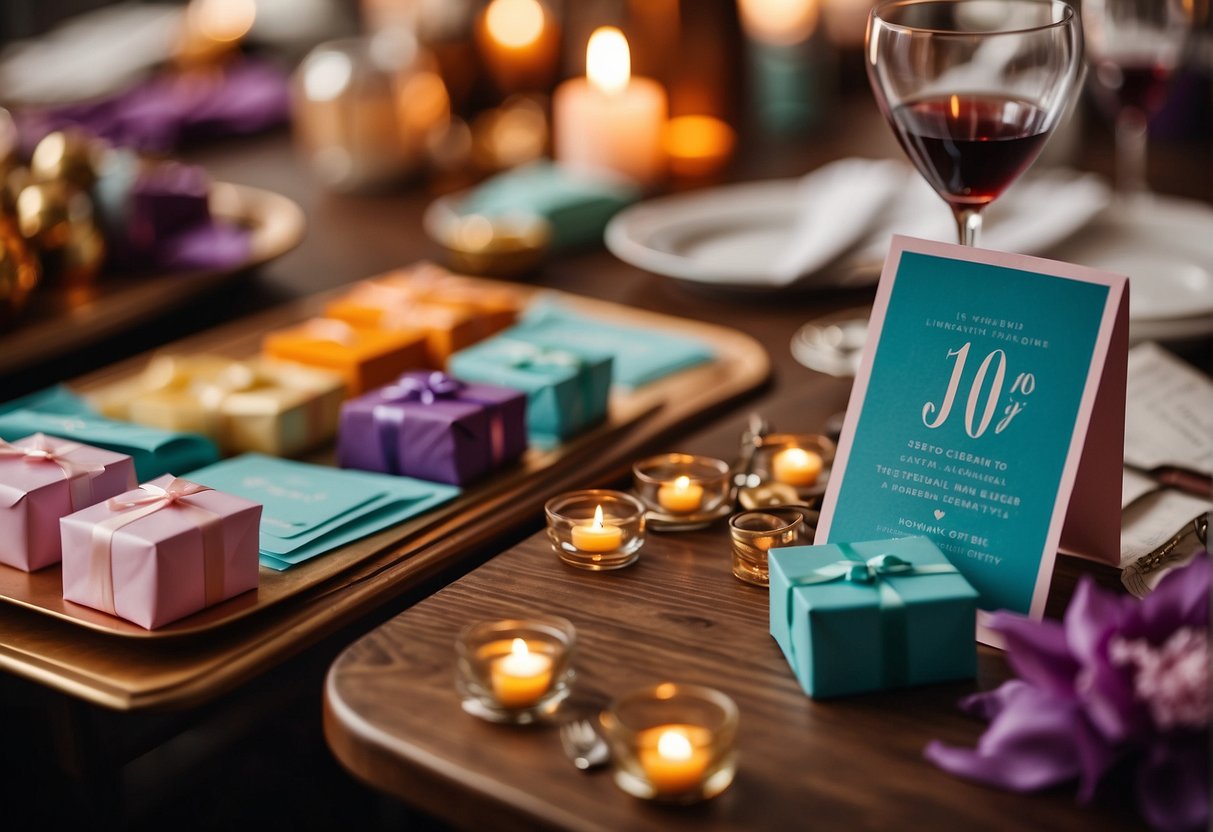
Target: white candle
610 120
521 677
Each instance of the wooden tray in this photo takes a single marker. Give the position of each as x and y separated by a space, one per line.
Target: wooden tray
740 364
63 319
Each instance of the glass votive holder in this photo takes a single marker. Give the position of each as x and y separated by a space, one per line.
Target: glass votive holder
799 460
672 742
683 491
515 670
756 532
596 529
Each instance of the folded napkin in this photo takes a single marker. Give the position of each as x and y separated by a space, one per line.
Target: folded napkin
642 355
166 111
310 510
836 207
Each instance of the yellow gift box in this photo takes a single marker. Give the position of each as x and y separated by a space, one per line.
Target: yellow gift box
366 358
496 305
448 329
266 406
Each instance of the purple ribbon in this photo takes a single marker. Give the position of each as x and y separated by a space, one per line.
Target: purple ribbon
435 386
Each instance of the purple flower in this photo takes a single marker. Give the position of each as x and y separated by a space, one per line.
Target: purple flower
1116 679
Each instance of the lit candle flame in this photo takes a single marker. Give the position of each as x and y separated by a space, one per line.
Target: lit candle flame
674 745
608 63
514 23
682 483
518 647
955 106
597 524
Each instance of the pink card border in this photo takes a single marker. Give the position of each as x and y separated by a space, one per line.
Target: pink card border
1117 285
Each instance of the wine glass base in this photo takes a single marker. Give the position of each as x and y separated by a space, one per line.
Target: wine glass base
833 344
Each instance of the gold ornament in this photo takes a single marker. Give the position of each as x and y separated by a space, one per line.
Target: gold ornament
18 271
42 214
84 252
15 178
65 155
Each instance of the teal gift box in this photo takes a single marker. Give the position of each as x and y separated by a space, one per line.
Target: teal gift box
155 452
567 387
857 617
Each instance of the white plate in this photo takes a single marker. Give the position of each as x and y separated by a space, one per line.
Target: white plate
733 236
1165 246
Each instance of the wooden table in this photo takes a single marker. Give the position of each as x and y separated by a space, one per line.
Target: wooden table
392 715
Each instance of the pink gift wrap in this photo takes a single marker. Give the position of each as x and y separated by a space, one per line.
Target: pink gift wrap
35 491
188 553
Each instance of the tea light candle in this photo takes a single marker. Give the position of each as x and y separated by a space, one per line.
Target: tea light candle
680 496
610 120
520 677
672 762
595 536
698 146
796 467
519 41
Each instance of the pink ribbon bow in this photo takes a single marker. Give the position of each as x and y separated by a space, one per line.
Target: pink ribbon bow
177 494
79 475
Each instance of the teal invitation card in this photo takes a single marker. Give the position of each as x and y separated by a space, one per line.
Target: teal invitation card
975 414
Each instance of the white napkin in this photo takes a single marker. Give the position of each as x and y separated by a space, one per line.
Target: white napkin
836 207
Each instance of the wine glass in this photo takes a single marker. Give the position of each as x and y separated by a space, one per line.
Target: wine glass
972 89
1134 47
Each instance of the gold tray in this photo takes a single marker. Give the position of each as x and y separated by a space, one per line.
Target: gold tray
61 319
741 364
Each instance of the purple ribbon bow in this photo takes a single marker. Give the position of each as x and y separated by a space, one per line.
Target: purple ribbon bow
437 385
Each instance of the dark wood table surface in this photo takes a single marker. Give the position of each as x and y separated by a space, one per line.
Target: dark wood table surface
392 714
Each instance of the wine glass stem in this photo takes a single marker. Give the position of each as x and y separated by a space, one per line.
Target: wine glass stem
968 225
1131 151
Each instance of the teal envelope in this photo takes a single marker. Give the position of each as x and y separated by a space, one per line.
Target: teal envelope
577 205
642 355
155 452
309 510
567 387
55 399
850 620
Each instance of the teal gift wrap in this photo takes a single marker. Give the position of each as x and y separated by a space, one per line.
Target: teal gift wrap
156 452
567 387
857 617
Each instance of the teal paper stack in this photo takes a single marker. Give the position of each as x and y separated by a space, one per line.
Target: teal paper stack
567 388
310 510
156 452
857 617
642 355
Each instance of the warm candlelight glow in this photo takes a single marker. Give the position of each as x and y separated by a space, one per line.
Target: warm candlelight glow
681 496
674 746
514 23
780 22
671 761
222 20
796 467
597 536
521 677
698 145
954 104
608 63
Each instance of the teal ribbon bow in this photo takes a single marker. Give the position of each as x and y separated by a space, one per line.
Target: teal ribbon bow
525 355
874 572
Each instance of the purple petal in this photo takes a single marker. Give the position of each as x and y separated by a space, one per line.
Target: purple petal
988 705
1038 652
1037 740
1173 784
1181 599
1090 618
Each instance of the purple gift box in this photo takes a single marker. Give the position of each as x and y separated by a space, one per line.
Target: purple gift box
430 426
161 552
43 478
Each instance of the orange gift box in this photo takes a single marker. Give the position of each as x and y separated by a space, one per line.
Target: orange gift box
498 306
448 329
366 358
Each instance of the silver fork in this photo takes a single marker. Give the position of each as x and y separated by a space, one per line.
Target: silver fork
583 745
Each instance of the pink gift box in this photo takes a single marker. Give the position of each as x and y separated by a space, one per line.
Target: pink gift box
161 552
43 478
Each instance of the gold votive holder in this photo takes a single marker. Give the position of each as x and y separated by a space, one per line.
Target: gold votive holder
596 529
756 532
515 670
799 460
682 491
672 742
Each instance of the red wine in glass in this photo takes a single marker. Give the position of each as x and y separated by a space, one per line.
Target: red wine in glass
970 147
1137 85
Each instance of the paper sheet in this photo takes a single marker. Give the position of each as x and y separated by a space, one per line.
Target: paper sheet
1168 413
